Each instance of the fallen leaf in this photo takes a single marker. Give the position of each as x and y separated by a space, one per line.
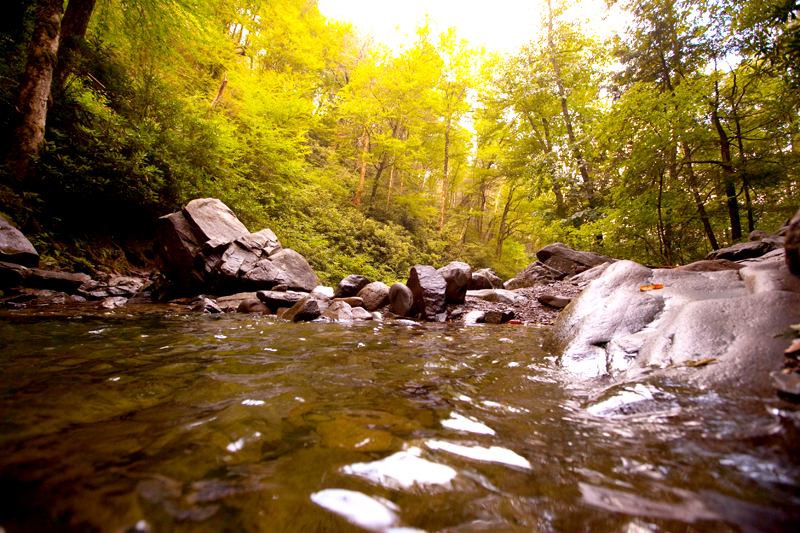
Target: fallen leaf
653 287
514 322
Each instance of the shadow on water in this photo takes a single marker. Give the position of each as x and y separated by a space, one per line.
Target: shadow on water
169 422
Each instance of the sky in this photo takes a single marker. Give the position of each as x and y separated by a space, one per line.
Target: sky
500 25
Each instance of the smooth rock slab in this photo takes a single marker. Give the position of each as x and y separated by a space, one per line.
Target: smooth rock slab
15 247
429 289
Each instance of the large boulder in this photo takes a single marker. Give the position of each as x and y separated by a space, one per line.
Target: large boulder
479 282
401 299
175 249
295 270
429 289
743 250
375 295
708 327
211 220
534 274
493 278
560 257
792 243
14 247
457 275
350 286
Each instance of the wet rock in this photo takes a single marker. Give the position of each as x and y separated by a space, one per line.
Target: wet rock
590 275
713 265
401 300
351 286
113 302
375 295
534 274
479 282
786 383
562 258
125 285
474 317
15 247
230 303
276 299
457 275
792 245
554 301
212 220
500 296
305 310
352 301
56 281
206 306
296 272
429 288
359 313
493 278
12 274
339 311
175 251
252 306
742 250
498 316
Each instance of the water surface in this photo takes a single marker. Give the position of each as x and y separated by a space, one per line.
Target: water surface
159 422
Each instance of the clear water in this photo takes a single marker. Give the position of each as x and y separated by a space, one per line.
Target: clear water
170 422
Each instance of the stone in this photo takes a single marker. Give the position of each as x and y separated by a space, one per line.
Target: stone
56 281
264 240
12 274
320 291
276 299
359 313
252 305
126 285
15 247
565 259
493 278
206 306
375 295
429 288
401 300
230 303
457 275
113 302
500 296
263 276
295 270
351 286
212 220
498 316
786 383
352 301
712 265
792 245
734 318
280 287
175 251
534 274
339 311
587 276
742 250
479 282
551 300
236 260
305 310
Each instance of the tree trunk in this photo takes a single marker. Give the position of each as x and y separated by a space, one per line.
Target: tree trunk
73 32
391 184
364 152
34 90
698 202
728 174
445 176
379 171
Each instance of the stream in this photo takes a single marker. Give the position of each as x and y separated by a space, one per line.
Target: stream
154 421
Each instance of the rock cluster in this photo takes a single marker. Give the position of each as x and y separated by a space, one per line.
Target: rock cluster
555 262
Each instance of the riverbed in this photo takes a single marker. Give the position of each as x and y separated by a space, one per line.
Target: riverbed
163 421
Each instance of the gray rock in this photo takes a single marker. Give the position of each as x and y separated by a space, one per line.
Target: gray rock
295 270
264 240
792 244
742 250
12 274
713 265
175 251
534 274
14 247
551 300
113 302
696 316
589 275
375 295
230 303
252 306
568 260
263 276
339 311
352 301
305 310
211 220
359 313
56 281
498 316
457 275
320 291
429 288
786 383
276 300
401 300
350 286
500 296
493 278
206 306
479 282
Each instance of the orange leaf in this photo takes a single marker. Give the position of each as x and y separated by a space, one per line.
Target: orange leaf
653 287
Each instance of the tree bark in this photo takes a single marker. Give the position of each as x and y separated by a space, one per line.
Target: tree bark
34 90
445 175
728 174
364 152
698 202
73 32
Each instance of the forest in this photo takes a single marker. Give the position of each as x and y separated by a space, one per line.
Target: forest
677 137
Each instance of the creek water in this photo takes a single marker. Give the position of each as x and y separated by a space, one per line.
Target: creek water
162 422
